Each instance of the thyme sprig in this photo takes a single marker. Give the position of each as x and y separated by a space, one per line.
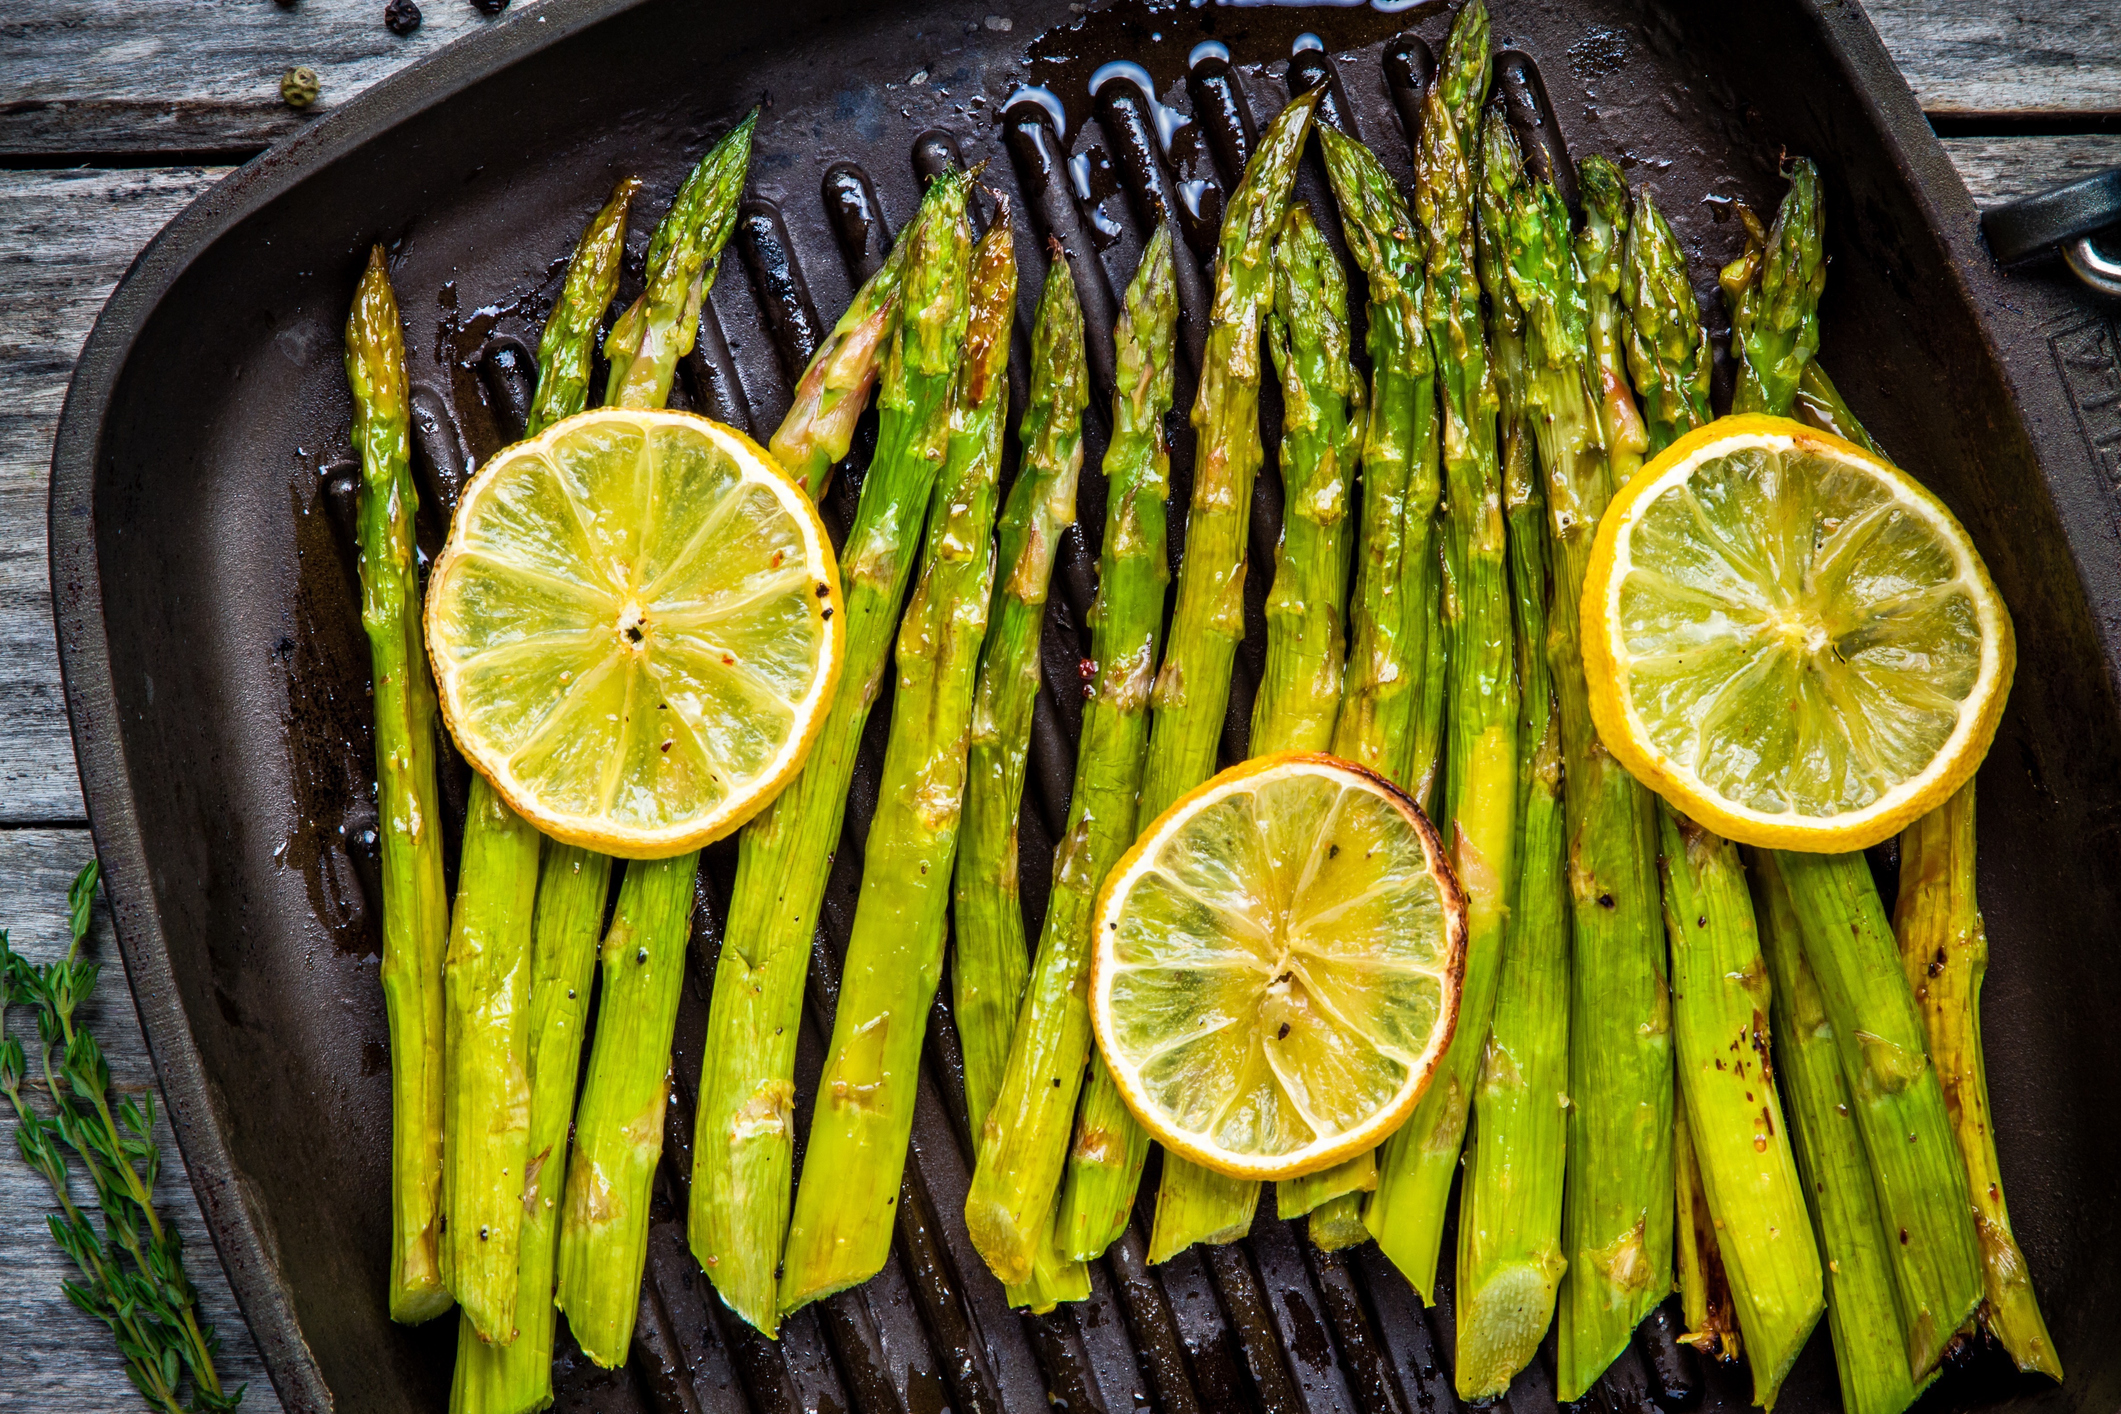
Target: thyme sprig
132 1270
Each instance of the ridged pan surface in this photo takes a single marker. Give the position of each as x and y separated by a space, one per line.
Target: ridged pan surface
218 674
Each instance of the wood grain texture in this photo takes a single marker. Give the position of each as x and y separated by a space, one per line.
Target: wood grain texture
2020 58
68 237
89 76
1997 170
54 1359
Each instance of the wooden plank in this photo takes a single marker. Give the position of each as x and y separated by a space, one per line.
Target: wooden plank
88 76
72 234
55 1359
1996 169
1974 59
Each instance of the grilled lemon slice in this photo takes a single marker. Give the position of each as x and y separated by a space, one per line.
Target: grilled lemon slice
635 629
1278 966
1790 639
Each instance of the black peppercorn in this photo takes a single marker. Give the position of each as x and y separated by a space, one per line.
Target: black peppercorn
401 16
490 7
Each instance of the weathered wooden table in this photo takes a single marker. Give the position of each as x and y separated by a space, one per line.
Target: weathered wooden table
114 116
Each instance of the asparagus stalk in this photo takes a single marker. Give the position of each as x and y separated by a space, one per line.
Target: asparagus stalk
840 1234
619 1129
1775 287
1393 619
991 958
742 1145
1509 1216
1392 702
1774 290
1480 774
572 887
1617 1216
1720 1004
1023 1137
415 898
489 971
660 327
1704 1287
1861 1305
486 1088
834 388
1667 348
1820 403
1299 694
1898 1102
1944 949
1193 686
1735 1157
1104 1164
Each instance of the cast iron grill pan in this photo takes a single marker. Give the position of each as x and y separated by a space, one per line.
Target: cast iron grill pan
222 517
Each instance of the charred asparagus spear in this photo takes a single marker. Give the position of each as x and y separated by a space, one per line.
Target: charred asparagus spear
618 1130
1617 1218
1720 1004
1861 1306
415 898
1104 1163
1299 694
1480 775
991 959
1023 1137
1738 1156
501 1284
1774 289
1509 1215
1193 686
1944 947
743 1147
840 1234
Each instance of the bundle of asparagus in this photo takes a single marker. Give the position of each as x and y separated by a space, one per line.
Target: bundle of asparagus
1501 347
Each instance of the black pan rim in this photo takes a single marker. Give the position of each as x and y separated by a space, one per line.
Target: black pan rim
241 1239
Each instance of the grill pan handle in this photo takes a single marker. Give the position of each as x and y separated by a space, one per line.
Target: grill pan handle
2070 217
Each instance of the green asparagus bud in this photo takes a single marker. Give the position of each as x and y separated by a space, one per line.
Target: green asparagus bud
1775 320
1668 351
659 328
415 898
570 337
819 428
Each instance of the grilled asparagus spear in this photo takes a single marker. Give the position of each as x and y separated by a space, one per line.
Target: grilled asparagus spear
1738 1159
1104 1162
840 1234
618 1130
990 959
1617 1215
1944 948
1299 694
1480 775
1023 1137
1774 288
500 1282
1861 1308
1193 686
835 386
743 1148
1509 1216
1720 1004
415 898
